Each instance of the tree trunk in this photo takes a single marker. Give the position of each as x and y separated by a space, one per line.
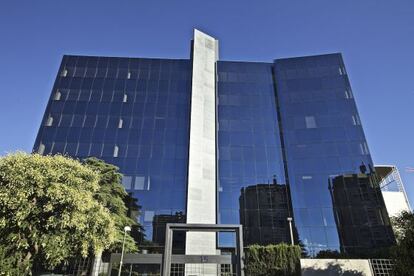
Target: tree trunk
97 261
28 256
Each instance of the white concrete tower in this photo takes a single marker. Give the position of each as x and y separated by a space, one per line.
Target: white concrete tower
201 197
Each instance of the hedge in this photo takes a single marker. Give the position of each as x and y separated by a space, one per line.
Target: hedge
269 260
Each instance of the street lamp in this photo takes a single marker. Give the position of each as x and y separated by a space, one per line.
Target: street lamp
289 219
126 229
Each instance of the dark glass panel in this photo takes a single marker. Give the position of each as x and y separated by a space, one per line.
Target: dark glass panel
250 157
323 146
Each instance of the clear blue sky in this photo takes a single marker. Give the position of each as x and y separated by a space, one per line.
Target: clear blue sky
375 37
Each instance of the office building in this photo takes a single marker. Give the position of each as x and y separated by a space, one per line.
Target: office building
198 137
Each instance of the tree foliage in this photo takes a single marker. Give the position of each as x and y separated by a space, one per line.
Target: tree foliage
403 252
48 212
112 195
280 259
10 263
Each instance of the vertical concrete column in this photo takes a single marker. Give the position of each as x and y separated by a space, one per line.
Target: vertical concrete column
201 197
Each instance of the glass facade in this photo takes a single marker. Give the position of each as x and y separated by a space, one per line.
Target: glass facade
133 113
289 144
249 150
324 141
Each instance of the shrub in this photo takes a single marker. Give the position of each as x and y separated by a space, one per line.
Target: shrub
279 259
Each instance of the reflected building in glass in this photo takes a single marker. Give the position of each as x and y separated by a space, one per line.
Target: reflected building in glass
197 140
159 222
361 217
264 209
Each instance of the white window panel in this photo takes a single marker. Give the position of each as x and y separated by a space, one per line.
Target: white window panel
139 183
127 182
64 73
49 121
354 121
57 96
41 149
148 216
310 122
116 150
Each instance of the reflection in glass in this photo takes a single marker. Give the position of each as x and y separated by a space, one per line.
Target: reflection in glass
250 154
294 120
133 113
159 223
264 210
323 139
361 217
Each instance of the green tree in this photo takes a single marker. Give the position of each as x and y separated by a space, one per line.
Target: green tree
403 252
270 260
48 212
10 263
112 195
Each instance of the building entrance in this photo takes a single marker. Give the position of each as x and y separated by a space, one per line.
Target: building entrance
227 263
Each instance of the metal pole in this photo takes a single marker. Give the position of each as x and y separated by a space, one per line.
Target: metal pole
289 219
239 250
166 264
122 254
